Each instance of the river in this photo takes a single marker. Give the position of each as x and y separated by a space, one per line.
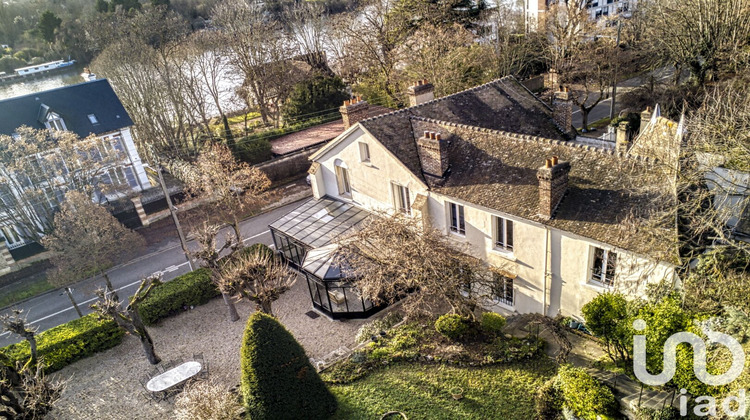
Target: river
40 83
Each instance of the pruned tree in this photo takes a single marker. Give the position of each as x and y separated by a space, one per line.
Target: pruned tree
128 318
232 184
87 240
18 325
25 395
210 255
395 257
37 167
258 276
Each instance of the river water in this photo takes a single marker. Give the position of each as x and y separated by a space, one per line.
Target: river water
38 84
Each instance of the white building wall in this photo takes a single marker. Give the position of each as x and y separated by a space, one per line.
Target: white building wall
135 158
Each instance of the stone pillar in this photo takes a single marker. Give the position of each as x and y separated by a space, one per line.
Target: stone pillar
7 263
551 79
139 209
645 118
622 141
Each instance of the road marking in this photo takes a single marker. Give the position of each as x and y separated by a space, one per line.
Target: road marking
255 236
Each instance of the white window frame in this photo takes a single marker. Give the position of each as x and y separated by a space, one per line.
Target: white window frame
500 234
401 198
343 181
364 152
603 279
457 213
55 122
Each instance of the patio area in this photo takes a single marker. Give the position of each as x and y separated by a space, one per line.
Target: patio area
106 385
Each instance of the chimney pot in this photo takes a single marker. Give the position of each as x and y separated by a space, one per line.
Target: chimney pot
427 134
548 163
437 136
554 160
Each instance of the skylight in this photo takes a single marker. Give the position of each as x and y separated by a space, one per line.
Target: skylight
93 119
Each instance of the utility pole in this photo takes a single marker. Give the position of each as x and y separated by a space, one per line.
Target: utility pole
617 66
160 169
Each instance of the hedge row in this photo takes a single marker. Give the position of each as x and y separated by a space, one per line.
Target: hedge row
66 343
172 297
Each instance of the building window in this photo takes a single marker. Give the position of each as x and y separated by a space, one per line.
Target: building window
11 235
458 224
130 177
401 198
364 152
342 178
503 234
93 119
54 122
502 289
603 270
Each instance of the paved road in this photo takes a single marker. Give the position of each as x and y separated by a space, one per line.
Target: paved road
601 110
54 308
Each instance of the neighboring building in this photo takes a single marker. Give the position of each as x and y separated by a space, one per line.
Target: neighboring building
598 10
498 169
84 109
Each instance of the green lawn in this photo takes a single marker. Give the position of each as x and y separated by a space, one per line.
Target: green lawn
423 391
24 290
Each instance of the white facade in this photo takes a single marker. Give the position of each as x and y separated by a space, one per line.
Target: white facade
551 269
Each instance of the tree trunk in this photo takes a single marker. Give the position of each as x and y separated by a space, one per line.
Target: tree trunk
32 346
111 289
228 132
73 301
145 337
585 119
236 228
265 307
233 315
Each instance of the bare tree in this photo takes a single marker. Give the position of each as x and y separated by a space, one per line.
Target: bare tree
257 276
566 23
128 318
25 395
211 256
232 184
38 166
18 325
394 257
87 240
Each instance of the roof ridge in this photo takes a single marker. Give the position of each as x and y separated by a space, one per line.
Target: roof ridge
442 98
53 89
538 139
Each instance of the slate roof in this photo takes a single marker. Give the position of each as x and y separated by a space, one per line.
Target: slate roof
73 103
500 134
503 104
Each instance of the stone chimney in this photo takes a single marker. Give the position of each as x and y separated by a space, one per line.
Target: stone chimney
562 106
645 118
553 183
354 111
433 154
622 141
421 92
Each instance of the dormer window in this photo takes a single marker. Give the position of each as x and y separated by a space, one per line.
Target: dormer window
54 122
93 119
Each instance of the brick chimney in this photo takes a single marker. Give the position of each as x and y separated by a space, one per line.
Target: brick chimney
645 118
354 111
553 183
622 141
562 106
433 154
421 92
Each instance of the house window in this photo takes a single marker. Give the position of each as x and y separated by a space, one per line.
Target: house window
364 152
342 178
130 176
458 224
401 198
603 270
11 235
503 234
93 119
54 122
502 289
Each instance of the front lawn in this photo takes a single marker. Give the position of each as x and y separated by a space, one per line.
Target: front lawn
422 391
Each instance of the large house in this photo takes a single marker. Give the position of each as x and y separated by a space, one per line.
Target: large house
90 108
494 167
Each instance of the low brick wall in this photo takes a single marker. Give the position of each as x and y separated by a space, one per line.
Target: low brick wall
534 84
288 166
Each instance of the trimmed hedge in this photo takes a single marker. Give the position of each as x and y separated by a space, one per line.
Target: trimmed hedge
66 343
492 323
452 326
588 398
170 298
278 381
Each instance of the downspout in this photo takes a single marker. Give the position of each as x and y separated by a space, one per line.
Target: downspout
544 274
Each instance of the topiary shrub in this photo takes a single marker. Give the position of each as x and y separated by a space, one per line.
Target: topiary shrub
549 401
586 397
169 298
64 344
278 381
492 323
666 413
453 326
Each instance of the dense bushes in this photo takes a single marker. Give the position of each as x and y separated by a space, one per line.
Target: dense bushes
453 326
171 297
586 397
315 96
375 327
278 381
492 323
66 343
549 401
252 149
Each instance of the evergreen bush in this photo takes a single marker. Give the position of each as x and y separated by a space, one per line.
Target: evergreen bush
452 326
278 381
585 396
492 323
170 298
